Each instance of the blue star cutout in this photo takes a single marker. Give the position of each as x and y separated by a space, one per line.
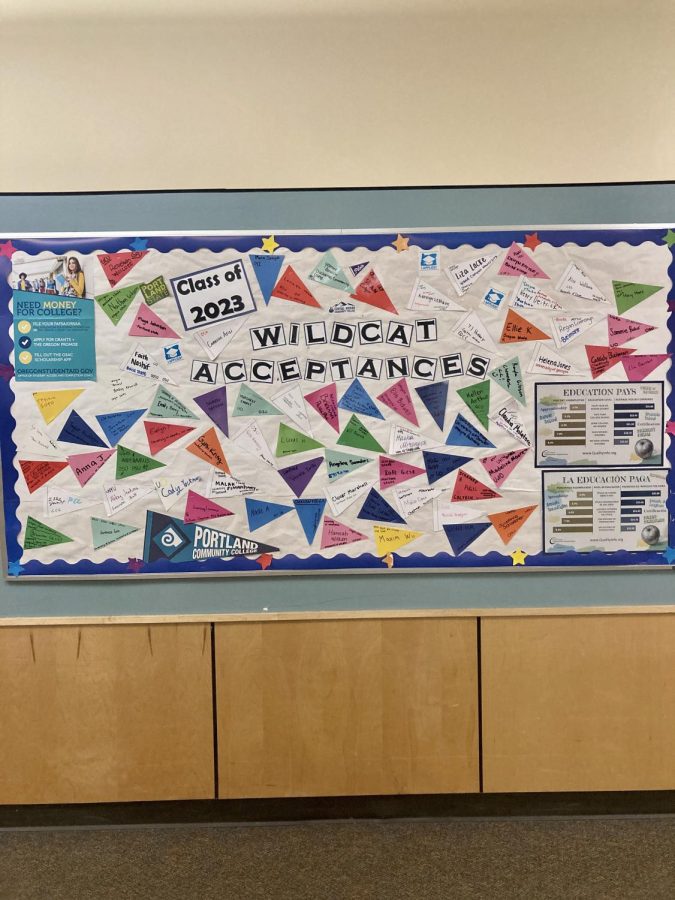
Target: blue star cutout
139 244
669 554
15 567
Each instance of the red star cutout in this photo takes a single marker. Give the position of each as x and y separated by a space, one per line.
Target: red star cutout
531 241
264 560
7 249
670 427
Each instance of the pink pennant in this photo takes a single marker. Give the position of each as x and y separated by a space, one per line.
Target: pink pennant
86 465
398 398
148 324
638 367
394 471
324 401
117 265
500 466
199 508
335 534
620 330
518 262
469 488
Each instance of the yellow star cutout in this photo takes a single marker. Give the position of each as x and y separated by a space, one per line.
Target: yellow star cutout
518 557
401 243
269 245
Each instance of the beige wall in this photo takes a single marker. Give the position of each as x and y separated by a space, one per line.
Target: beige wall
216 93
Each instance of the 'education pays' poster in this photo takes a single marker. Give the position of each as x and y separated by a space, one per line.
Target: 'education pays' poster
336 401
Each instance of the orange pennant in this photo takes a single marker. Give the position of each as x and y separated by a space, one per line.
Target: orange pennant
517 329
207 447
290 287
509 522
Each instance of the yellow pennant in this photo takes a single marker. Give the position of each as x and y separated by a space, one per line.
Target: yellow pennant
51 403
388 539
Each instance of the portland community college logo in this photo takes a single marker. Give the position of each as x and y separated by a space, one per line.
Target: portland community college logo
169 538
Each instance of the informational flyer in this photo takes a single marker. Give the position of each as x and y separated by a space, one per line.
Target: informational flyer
609 424
608 510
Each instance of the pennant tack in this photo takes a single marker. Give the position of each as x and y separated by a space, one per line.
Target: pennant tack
130 462
568 328
438 465
250 403
376 509
464 434
207 447
329 273
600 359
341 498
290 441
59 503
148 324
477 398
355 434
411 499
518 262
299 475
324 401
639 367
510 377
166 406
336 534
116 425
472 329
435 397
575 282
397 397
463 275
339 464
403 440
38 535
214 404
266 267
628 294
460 536
468 488
620 331
262 512
371 291
356 399
509 523
508 419
389 540
528 295
115 303
52 403
163 434
118 496
86 465
252 441
291 402
546 361
290 287
117 265
104 532
501 465
215 339
199 509
38 472
517 329
394 471
309 513
425 297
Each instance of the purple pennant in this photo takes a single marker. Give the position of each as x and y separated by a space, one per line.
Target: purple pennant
297 477
214 404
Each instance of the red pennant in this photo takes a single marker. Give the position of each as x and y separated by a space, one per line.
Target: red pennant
198 508
39 472
371 291
161 434
469 488
600 359
393 471
398 398
290 287
517 329
117 265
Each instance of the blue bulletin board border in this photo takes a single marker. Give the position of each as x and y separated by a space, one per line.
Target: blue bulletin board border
476 238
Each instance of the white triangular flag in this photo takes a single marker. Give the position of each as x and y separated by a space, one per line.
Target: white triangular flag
40 443
410 499
424 296
575 281
122 387
508 419
119 496
463 275
58 503
568 328
170 490
291 401
448 513
347 492
143 365
251 441
471 329
547 362
529 295
403 440
222 485
215 339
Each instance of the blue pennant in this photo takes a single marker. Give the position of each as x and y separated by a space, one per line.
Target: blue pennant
309 512
356 399
266 267
76 431
435 396
377 509
439 464
260 512
464 434
116 425
464 534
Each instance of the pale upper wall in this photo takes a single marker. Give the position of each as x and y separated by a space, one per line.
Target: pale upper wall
101 95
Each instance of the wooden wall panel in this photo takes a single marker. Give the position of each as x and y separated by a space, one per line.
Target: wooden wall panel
579 703
329 708
105 713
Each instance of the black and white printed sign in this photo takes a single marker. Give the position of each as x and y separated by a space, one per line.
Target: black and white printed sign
213 295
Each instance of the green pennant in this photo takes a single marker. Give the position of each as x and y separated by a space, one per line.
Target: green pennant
328 272
166 406
115 303
628 294
129 463
339 464
290 441
249 403
104 532
510 378
38 535
477 398
355 434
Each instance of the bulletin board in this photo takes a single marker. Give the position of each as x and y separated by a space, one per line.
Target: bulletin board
336 401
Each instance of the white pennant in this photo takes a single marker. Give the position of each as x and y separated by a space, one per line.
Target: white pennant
463 275
347 493
529 295
292 403
215 340
575 281
471 329
547 362
424 296
143 365
410 499
508 419
170 490
119 496
58 503
251 440
403 440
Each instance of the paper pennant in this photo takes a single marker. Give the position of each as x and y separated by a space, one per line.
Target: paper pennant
166 406
155 290
600 359
469 488
39 535
547 362
510 377
341 498
309 512
148 324
397 397
448 513
477 398
298 476
472 329
163 434
403 440
464 434
116 425
500 466
508 523
252 441
508 419
628 294
130 462
335 534
517 329
575 282
438 465
77 431
324 401
171 489
208 448
250 403
518 262
371 291
355 434
463 275
39 472
568 328
435 397
214 404
59 503
52 403
104 532
223 485
358 268
376 509
328 272
394 471
356 399
639 367
115 303
389 540
143 365
411 499
424 296
199 509
262 512
118 496
528 295
266 267
86 465
215 339
41 443
339 464
290 287
122 387
291 402
117 265
290 441
462 535
620 331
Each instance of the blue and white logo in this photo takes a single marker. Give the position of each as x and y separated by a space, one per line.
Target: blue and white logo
429 261
170 541
172 353
494 297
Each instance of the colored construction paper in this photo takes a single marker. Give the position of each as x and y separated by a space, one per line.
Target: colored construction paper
324 401
438 465
117 265
266 267
309 512
500 465
468 488
628 294
356 399
464 434
370 290
290 287
208 448
376 508
39 471
509 523
620 331
250 403
77 431
198 509
339 464
397 397
329 273
116 425
38 535
299 475
435 397
52 403
166 406
148 324
130 462
389 540
155 290
163 434
355 434
600 359
336 534
104 532
518 329
510 377
518 262
214 404
290 441
115 303
639 367
477 398
262 512
462 535
394 471
86 465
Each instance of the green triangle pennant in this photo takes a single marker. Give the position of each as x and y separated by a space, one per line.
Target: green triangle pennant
510 377
291 441
328 272
115 303
339 464
166 406
104 532
39 535
250 403
355 434
477 398
628 294
130 462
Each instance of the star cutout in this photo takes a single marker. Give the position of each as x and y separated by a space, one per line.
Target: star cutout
7 249
401 243
14 567
670 427
531 241
388 560
669 554
134 565
668 238
518 557
264 560
6 372
139 244
269 245
671 306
